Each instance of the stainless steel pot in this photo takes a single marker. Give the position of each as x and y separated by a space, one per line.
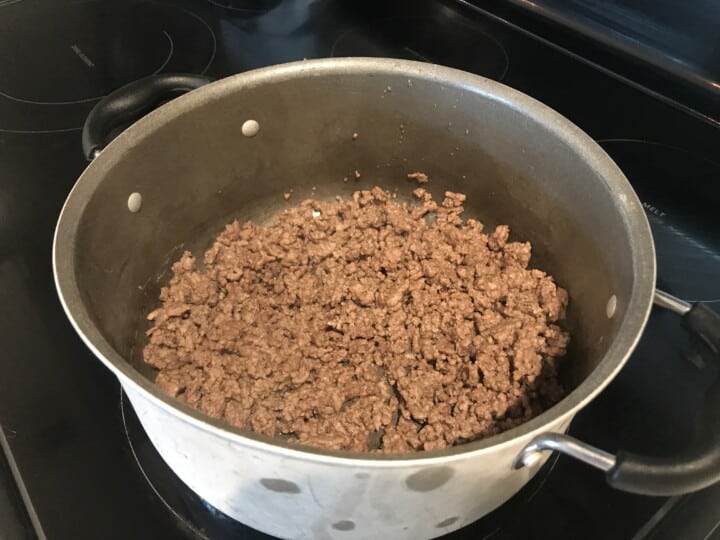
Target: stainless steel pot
192 165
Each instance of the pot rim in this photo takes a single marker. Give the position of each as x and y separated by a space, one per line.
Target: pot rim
636 315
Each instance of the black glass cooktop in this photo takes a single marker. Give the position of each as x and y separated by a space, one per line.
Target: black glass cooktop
78 463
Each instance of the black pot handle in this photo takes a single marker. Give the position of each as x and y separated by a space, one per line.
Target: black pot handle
131 102
695 468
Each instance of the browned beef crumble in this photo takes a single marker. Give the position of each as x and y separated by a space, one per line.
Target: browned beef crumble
419 177
359 325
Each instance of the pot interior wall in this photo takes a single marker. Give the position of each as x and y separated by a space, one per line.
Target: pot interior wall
196 172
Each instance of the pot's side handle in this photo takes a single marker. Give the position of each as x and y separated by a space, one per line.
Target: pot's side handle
131 102
695 468
699 465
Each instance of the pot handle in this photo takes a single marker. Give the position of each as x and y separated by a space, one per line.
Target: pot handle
131 102
695 468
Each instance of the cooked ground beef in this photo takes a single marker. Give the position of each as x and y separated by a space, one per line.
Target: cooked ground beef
419 177
363 325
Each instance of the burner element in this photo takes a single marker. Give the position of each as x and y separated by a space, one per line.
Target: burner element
87 49
73 53
416 38
205 521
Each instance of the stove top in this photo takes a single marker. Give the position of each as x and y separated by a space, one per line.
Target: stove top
415 38
78 464
60 58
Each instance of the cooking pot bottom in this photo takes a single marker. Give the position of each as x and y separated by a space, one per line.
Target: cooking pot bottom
207 521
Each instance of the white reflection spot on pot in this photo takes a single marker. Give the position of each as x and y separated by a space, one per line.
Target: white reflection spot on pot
250 128
134 202
530 459
611 306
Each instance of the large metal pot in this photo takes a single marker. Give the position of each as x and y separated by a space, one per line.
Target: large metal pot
195 168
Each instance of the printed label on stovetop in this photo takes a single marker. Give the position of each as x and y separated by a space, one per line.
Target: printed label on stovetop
650 209
84 57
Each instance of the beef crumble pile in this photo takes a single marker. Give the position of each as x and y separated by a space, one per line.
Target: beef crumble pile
359 325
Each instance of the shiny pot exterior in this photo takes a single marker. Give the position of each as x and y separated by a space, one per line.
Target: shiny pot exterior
195 168
299 496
